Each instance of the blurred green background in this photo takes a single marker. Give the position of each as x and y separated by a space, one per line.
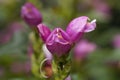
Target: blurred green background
103 64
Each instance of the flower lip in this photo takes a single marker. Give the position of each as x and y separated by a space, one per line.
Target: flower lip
90 26
93 21
76 26
58 36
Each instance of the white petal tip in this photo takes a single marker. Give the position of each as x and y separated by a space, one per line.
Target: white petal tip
93 21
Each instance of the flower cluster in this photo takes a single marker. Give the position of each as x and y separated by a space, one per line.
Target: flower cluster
60 42
57 42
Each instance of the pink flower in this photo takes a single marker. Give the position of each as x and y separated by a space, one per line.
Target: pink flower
59 42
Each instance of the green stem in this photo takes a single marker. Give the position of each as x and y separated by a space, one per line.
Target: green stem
37 56
61 68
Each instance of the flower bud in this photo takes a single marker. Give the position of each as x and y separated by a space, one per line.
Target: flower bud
58 42
44 31
31 14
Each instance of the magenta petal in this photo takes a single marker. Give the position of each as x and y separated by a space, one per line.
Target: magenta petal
90 26
58 42
31 14
76 26
44 31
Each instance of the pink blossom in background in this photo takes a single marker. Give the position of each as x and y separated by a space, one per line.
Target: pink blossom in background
7 33
4 37
2 71
27 67
16 68
15 26
101 7
83 48
21 67
30 50
116 41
